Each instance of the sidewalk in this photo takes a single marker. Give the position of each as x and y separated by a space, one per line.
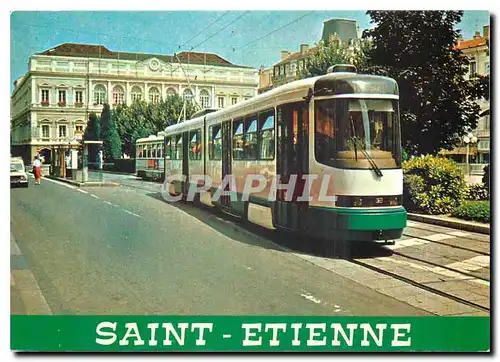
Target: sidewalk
85 184
448 221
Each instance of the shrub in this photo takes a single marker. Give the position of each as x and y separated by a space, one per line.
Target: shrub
473 210
477 192
486 178
432 185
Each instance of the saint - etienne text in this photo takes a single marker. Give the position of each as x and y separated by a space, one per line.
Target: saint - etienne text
285 335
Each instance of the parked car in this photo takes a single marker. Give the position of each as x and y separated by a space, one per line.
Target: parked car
18 176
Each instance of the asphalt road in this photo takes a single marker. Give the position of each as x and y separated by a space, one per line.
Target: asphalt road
123 250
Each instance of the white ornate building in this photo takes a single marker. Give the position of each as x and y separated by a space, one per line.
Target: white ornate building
64 84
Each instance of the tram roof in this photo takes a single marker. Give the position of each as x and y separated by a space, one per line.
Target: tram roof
151 138
302 85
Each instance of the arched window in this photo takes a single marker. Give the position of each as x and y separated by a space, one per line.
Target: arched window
171 92
205 99
187 94
118 95
99 94
154 95
136 93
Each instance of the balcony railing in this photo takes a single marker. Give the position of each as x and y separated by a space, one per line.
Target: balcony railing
61 104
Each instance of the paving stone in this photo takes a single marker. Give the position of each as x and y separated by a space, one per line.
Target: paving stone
400 291
466 294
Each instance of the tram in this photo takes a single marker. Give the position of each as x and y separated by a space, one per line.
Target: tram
150 158
342 126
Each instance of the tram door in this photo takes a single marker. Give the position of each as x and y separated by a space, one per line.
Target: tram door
292 159
226 158
185 162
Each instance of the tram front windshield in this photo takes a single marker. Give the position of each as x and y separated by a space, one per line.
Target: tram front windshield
350 132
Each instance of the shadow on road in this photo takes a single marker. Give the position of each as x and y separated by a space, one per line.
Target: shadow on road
255 235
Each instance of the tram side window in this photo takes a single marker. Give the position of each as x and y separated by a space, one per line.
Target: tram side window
139 151
160 150
178 148
153 155
251 139
325 145
167 148
266 135
195 145
215 142
238 140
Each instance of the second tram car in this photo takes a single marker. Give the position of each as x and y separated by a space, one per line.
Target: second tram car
341 126
150 158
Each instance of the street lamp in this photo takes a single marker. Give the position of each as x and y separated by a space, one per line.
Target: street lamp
468 139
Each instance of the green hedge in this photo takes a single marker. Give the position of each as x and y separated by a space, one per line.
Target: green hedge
432 185
477 192
473 210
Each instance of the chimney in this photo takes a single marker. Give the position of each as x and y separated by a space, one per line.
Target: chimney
486 31
284 54
477 35
303 48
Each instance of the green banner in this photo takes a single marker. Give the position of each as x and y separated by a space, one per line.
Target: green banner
249 333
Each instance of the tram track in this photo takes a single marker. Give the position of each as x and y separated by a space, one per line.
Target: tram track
445 244
440 266
421 285
441 231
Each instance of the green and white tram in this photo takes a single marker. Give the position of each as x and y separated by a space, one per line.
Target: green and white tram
150 159
343 127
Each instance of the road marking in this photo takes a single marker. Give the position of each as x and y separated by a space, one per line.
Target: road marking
94 196
131 213
407 242
14 249
107 202
82 191
60 183
472 264
311 298
459 233
439 237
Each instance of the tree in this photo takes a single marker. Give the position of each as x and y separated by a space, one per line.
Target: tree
334 52
418 49
112 144
93 133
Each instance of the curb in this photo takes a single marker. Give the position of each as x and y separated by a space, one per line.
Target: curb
114 173
455 224
85 184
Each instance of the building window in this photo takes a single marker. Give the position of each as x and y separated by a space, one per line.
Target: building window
62 97
187 95
45 131
220 102
118 95
204 99
472 69
78 97
45 97
136 94
487 68
282 70
487 122
79 128
247 97
154 95
171 92
99 94
234 100
62 131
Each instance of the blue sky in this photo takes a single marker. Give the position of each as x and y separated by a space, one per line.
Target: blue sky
240 37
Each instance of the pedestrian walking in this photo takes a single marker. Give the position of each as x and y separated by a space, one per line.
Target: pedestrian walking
37 170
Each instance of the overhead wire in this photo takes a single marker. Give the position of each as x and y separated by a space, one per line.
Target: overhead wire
205 29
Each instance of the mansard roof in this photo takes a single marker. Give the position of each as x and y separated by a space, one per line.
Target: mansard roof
100 51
